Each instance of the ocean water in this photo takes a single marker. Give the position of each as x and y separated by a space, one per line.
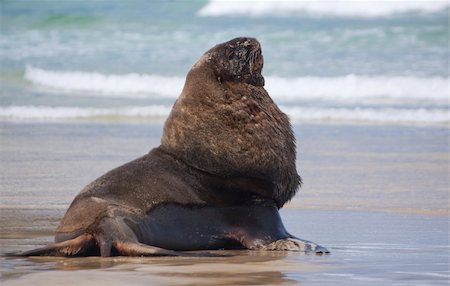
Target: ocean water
383 62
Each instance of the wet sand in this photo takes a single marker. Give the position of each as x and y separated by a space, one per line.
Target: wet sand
377 196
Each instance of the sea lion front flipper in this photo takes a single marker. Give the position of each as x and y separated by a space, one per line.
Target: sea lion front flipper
115 237
296 244
76 246
140 249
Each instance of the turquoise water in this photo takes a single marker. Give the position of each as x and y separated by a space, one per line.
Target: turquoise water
128 59
161 37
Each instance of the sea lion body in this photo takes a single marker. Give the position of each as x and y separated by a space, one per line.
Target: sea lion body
225 166
180 208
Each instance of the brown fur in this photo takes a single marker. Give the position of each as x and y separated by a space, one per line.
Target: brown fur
225 123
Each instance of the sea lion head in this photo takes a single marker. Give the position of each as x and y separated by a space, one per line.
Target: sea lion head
224 123
238 60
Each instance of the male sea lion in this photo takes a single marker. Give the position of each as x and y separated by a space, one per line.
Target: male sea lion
225 165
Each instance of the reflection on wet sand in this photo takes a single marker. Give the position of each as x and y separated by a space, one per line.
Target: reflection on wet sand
25 228
241 268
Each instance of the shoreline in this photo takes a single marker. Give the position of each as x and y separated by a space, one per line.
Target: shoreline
289 205
443 212
161 119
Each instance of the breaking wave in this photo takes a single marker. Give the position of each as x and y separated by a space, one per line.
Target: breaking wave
384 115
376 89
340 8
59 112
135 84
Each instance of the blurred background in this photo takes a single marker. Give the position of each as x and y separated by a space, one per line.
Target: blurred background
353 61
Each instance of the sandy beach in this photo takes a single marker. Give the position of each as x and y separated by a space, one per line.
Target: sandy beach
378 202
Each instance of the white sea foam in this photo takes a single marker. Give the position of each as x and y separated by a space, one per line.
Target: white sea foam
345 8
117 85
384 115
351 88
55 113
388 116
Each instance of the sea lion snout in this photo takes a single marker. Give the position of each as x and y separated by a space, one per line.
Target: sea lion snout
239 60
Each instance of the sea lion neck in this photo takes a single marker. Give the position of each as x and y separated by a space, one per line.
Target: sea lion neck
226 189
231 128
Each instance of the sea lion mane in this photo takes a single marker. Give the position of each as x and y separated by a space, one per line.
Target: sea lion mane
225 123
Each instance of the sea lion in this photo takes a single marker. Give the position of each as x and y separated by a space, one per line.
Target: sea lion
225 166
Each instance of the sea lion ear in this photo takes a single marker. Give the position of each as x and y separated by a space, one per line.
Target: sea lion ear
229 54
257 80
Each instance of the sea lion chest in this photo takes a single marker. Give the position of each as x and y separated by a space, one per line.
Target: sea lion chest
181 227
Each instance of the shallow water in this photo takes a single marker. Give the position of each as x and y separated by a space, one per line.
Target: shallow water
376 196
367 248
